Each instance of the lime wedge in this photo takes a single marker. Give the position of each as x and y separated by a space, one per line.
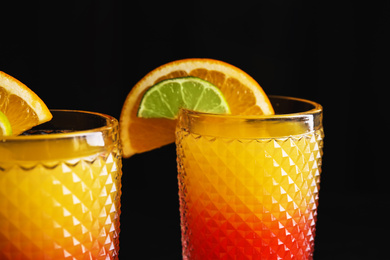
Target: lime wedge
164 99
5 126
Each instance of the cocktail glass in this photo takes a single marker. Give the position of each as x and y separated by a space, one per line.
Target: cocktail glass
248 185
60 189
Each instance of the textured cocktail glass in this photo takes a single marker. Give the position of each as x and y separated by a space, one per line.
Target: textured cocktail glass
60 189
248 186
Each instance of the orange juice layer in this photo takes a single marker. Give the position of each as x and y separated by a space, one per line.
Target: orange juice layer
248 198
66 209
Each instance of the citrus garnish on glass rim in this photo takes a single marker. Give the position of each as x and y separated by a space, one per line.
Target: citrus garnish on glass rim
243 95
164 99
21 106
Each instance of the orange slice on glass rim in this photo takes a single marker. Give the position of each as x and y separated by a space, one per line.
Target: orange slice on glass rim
22 108
242 93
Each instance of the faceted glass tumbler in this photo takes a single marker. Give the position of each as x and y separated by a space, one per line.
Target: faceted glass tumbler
60 188
248 186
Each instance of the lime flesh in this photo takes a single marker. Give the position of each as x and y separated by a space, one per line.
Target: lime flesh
164 99
5 126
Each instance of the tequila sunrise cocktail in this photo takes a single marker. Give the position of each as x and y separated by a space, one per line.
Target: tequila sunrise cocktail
249 185
60 189
248 178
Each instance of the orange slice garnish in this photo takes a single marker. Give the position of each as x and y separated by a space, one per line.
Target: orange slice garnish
23 108
243 94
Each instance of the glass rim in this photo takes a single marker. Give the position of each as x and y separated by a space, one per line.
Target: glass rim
316 109
110 124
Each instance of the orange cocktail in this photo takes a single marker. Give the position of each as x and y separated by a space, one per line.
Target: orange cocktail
248 186
60 189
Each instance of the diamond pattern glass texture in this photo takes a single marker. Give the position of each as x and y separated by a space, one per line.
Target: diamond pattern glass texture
248 198
61 209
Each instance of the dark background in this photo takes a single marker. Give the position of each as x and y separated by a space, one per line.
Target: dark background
88 54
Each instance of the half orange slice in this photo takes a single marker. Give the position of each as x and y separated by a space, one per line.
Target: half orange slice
23 108
243 94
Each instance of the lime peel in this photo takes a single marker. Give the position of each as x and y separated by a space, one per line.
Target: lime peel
5 126
167 97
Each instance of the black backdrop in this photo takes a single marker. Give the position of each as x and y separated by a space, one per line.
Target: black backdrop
88 54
